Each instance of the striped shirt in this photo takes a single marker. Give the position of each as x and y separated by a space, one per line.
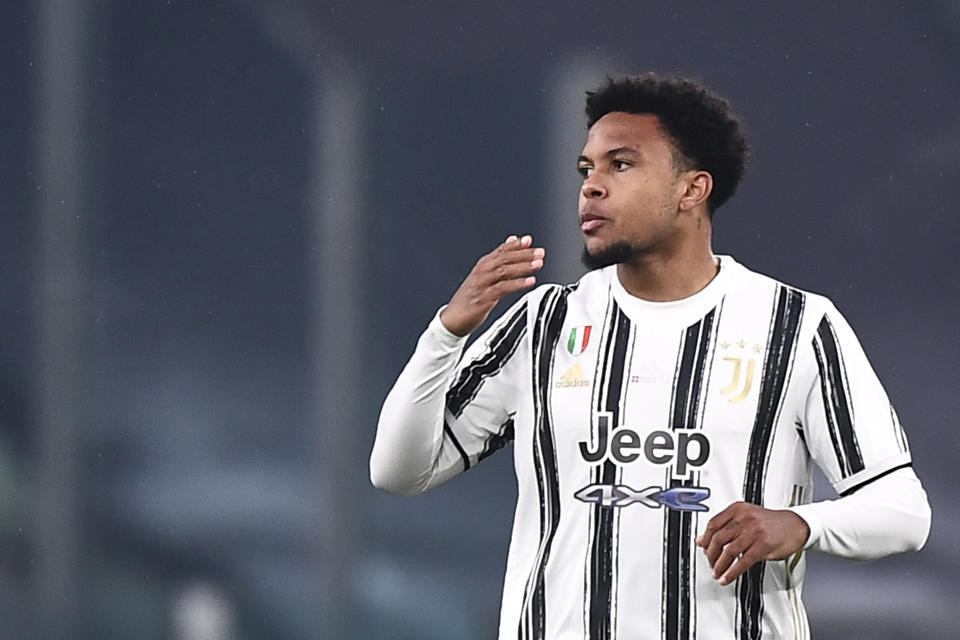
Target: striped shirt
633 423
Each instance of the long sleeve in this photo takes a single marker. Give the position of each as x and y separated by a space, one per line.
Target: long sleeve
406 452
444 414
889 515
855 437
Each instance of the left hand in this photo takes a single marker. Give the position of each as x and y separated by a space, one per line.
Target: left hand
744 534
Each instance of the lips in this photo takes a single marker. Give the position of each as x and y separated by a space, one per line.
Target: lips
591 222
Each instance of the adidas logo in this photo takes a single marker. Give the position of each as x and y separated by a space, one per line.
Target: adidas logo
573 377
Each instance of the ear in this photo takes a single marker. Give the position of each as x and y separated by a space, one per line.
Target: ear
699 186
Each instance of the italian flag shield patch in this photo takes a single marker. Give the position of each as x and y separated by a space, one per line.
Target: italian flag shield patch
579 339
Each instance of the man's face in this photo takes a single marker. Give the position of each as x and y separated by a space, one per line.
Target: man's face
631 189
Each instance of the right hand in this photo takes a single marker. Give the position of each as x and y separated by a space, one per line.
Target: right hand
506 269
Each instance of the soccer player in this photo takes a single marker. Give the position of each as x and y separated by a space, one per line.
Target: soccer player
666 410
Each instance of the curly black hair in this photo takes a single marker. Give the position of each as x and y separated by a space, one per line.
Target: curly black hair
706 135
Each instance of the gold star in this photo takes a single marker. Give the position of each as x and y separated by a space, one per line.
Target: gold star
756 348
724 344
741 343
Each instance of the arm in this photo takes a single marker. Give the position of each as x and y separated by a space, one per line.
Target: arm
889 515
407 451
855 437
420 442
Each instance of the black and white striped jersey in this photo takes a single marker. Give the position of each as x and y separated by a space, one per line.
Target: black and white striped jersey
633 423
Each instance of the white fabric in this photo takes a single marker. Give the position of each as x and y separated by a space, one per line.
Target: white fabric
406 455
888 513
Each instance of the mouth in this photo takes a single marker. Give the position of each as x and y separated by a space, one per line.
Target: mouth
591 222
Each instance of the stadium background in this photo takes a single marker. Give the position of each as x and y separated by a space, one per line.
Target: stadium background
224 225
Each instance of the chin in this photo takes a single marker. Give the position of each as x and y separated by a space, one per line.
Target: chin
605 256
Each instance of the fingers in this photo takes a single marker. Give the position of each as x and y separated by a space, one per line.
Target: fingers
736 557
501 269
743 534
746 560
517 250
507 269
514 259
522 241
716 523
722 539
728 544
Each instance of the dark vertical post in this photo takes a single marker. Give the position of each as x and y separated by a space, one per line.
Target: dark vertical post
59 307
338 320
337 256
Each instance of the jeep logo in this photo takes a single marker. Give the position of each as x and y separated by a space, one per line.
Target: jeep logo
688 447
621 495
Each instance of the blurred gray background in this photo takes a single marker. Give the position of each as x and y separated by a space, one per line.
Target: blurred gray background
224 225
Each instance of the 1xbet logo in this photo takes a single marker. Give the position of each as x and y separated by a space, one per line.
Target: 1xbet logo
685 449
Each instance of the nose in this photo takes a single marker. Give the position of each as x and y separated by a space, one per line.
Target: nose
592 187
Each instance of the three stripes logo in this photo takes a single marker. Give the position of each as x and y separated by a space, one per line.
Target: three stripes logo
573 377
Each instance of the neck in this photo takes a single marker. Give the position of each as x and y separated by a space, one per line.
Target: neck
672 273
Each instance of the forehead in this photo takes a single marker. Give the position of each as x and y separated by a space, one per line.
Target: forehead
640 131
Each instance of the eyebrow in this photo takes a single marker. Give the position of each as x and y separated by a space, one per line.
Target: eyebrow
611 153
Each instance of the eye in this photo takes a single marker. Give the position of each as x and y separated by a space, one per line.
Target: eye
620 165
584 170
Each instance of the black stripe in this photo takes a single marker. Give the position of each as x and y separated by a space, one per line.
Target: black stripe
828 408
703 354
499 440
447 431
781 346
898 431
857 487
672 579
502 346
550 316
608 401
678 537
840 403
598 390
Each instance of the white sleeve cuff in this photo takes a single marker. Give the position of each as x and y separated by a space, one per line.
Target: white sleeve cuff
813 522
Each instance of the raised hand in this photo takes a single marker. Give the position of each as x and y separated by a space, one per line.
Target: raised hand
506 269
